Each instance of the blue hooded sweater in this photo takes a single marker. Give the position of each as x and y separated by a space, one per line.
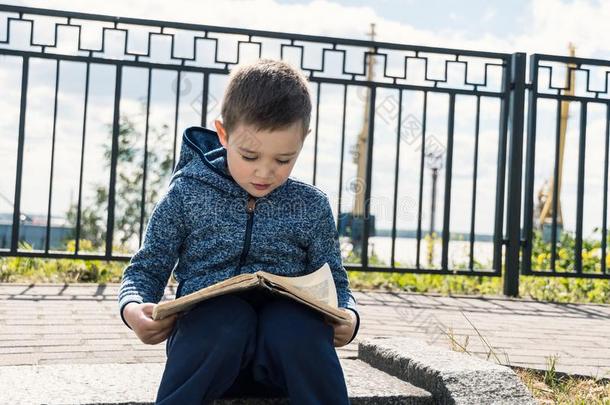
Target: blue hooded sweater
206 228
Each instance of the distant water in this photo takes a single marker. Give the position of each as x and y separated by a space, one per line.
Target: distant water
406 251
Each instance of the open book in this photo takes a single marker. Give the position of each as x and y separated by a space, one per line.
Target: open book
316 290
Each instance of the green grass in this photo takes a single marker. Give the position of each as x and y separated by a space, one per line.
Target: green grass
37 270
551 289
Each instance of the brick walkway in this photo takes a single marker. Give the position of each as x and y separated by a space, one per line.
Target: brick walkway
79 323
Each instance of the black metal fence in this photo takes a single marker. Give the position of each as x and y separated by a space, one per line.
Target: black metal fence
423 106
587 87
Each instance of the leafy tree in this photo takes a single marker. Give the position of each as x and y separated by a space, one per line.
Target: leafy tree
128 188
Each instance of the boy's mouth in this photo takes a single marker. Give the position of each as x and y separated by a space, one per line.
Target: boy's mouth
261 186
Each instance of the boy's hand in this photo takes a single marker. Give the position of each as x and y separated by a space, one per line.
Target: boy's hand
149 331
343 331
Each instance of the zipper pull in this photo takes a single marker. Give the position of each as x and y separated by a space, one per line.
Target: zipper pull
251 204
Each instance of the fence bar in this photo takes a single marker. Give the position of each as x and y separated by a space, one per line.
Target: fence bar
177 108
474 182
396 172
82 164
530 163
448 172
25 67
515 153
114 159
581 188
315 139
421 181
605 202
368 181
499 228
204 100
343 117
47 242
555 189
145 169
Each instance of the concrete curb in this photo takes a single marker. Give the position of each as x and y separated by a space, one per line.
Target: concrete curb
451 377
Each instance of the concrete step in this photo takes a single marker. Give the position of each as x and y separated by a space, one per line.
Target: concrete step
137 384
451 377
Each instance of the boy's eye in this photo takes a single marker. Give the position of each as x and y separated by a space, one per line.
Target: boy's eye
282 162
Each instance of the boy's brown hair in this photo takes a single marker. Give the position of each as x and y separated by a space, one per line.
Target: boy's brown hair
268 95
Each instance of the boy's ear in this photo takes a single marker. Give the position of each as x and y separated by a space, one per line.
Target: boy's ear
222 134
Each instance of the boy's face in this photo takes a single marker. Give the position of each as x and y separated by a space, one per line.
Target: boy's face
260 161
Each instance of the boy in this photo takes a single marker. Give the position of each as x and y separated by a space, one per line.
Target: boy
231 208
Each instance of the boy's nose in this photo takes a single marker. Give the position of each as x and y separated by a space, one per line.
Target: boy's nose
264 173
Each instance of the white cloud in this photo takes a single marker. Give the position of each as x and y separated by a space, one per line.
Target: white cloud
554 24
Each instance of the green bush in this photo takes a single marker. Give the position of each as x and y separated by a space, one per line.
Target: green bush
37 270
556 289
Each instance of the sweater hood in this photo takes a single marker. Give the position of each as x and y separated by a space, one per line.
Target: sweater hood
203 157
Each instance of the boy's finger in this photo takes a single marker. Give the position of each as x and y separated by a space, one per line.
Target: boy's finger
162 326
147 308
169 320
330 321
160 336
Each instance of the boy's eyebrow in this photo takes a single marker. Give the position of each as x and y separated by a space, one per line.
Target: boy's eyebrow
280 154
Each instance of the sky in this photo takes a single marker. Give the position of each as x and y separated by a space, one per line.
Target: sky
529 26
472 17
542 26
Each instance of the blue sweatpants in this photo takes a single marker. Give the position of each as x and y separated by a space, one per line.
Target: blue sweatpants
252 344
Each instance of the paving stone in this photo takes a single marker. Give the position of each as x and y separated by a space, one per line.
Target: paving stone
34 342
515 327
19 359
83 348
8 350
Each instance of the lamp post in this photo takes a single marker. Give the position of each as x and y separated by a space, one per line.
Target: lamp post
434 161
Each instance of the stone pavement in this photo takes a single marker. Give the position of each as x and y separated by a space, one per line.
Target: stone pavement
47 324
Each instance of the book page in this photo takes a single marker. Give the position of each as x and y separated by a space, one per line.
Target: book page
318 285
333 313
